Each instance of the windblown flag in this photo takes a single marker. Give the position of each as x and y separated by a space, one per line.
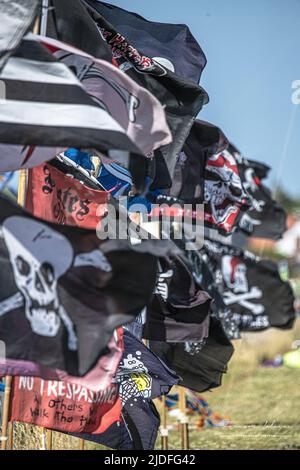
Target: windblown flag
182 98
175 45
46 105
55 197
200 366
180 310
63 406
63 291
97 379
141 376
137 111
204 140
224 194
17 16
265 218
68 21
252 289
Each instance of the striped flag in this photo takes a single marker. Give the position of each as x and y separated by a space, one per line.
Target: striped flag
47 106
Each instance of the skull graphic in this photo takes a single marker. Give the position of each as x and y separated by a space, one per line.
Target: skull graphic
234 273
32 248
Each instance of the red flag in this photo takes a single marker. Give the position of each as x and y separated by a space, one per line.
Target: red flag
64 406
57 198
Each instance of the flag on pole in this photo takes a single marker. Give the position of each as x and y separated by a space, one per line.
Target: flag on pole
172 45
63 291
182 98
265 218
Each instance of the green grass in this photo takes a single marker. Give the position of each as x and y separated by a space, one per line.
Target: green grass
263 404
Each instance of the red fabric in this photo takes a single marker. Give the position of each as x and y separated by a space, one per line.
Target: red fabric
64 406
57 198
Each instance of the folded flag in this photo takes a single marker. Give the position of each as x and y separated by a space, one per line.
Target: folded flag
63 291
200 367
265 218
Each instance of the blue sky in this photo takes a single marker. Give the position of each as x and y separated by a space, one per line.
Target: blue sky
253 56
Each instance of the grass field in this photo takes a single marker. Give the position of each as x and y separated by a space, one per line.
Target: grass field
263 404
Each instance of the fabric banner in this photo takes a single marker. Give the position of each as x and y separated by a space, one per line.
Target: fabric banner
63 406
55 197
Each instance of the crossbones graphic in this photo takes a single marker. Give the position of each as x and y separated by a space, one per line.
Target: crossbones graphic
234 274
39 256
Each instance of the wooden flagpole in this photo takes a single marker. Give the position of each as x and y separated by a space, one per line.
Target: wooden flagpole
49 440
81 444
183 420
10 441
164 426
5 417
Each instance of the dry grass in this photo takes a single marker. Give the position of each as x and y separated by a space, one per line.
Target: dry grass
262 403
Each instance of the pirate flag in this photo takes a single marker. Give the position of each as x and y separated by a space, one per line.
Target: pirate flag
265 218
63 291
17 16
200 366
174 43
141 376
182 98
179 310
204 140
224 194
252 289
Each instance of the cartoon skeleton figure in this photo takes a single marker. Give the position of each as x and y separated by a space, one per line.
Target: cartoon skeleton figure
234 274
133 378
37 266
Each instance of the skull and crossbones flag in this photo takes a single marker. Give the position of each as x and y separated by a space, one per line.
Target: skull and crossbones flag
63 291
252 289
265 218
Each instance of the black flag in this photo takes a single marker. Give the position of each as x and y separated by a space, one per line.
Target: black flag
182 98
200 366
173 43
180 310
265 218
252 289
63 291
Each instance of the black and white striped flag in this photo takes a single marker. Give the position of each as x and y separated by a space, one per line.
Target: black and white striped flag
46 106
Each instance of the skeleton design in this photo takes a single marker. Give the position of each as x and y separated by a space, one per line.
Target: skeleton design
228 185
32 248
133 378
162 285
234 274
